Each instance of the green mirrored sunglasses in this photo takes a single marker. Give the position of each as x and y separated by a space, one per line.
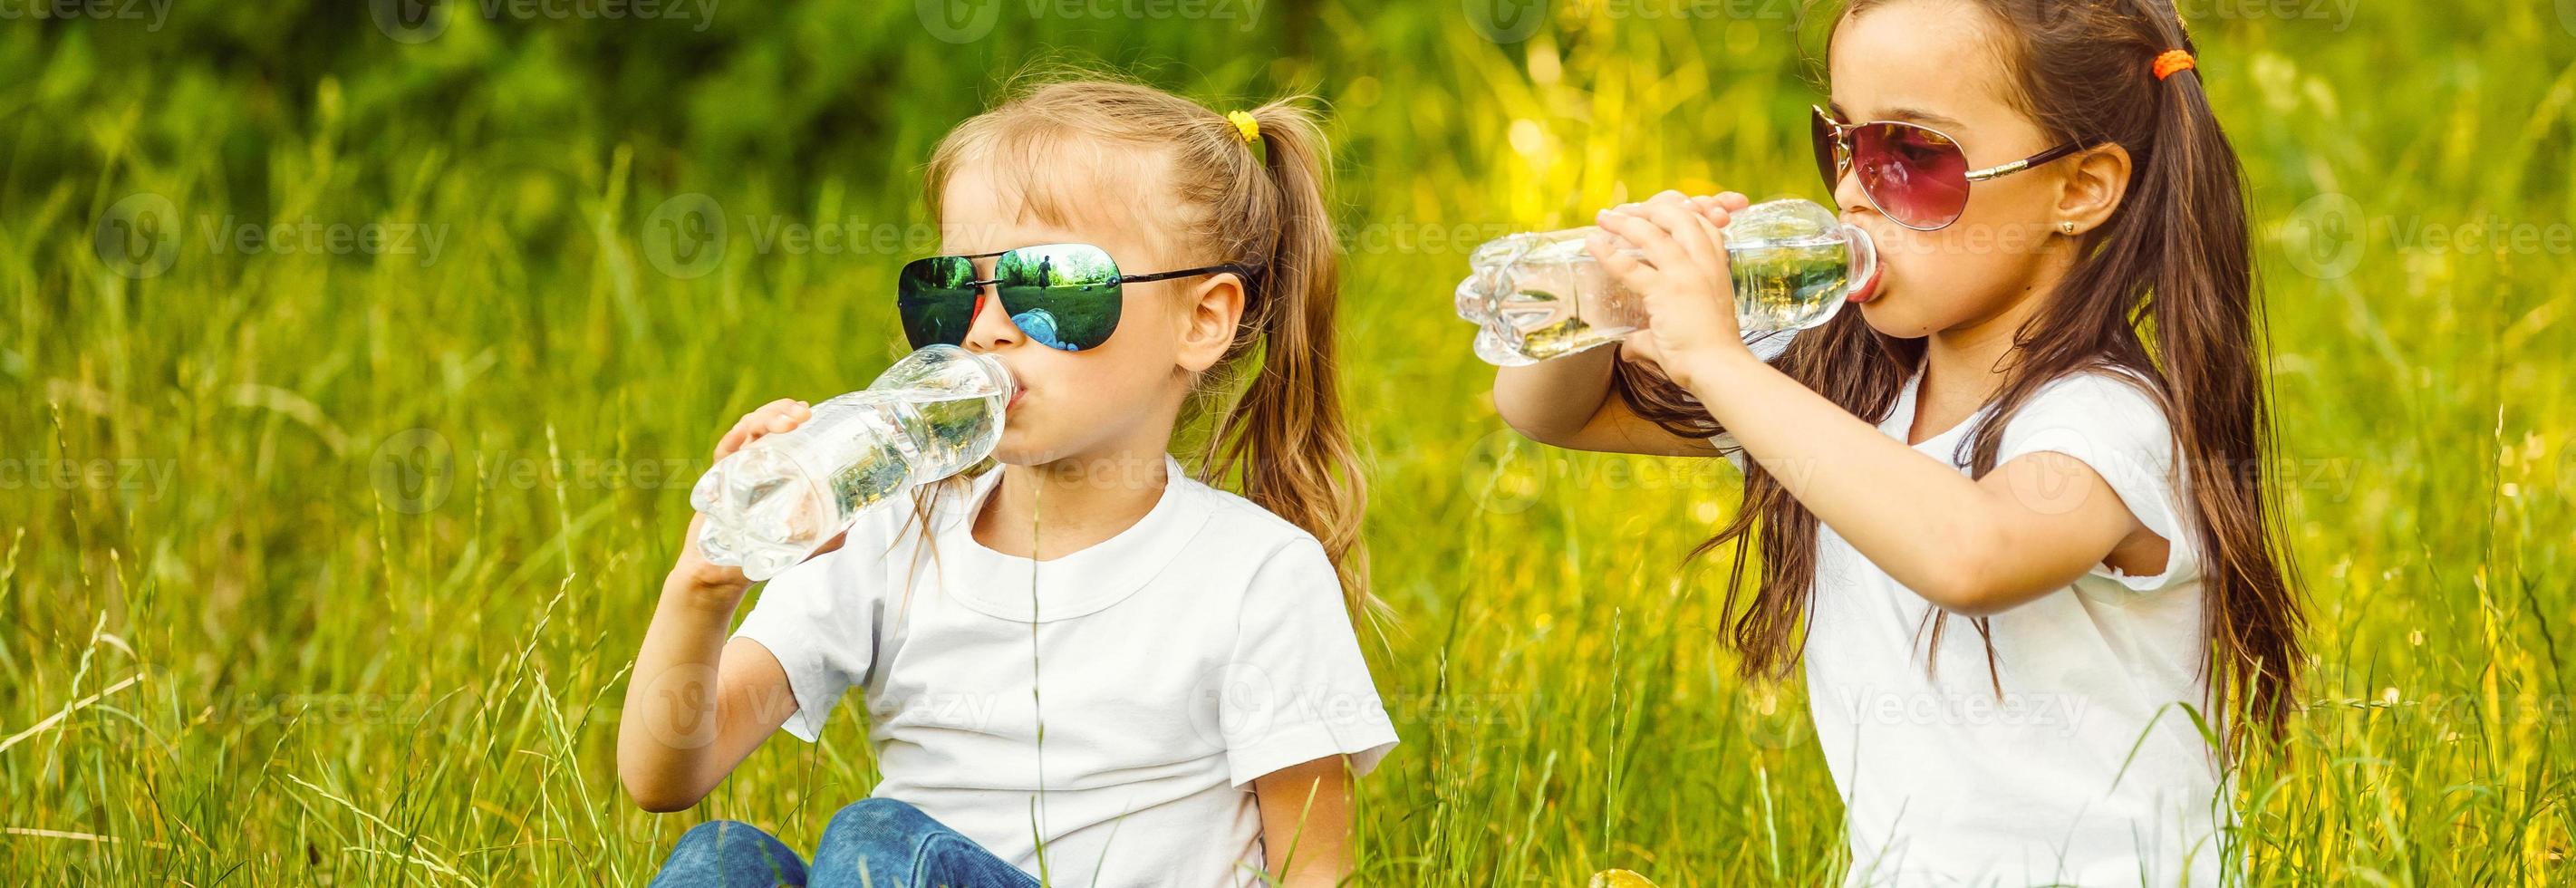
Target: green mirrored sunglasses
1064 296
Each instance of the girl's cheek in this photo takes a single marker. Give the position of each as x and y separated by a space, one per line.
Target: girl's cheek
1901 254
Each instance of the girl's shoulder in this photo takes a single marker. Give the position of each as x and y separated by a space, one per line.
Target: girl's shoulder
1279 563
2116 401
1241 525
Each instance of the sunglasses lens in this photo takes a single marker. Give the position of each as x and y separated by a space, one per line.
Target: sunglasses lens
1917 176
1064 296
934 301
1822 131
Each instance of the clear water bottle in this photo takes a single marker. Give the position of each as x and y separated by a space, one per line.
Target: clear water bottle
772 503
1540 295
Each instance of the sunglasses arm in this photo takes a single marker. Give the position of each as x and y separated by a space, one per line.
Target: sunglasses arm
2006 169
1244 271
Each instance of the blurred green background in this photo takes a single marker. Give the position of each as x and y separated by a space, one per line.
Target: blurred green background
357 357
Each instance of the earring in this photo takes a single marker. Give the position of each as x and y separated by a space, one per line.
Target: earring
2067 226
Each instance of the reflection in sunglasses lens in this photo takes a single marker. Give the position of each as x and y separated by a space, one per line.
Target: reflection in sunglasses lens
1917 176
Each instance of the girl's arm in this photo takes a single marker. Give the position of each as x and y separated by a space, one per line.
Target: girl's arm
1567 402
1306 822
696 706
1971 546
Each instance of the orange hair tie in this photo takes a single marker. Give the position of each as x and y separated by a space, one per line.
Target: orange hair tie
2170 61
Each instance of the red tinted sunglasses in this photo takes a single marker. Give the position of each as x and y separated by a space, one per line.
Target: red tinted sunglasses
1916 175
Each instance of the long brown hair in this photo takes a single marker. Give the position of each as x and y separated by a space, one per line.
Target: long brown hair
1257 201
2174 257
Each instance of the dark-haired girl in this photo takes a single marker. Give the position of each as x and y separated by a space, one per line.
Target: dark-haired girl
2012 510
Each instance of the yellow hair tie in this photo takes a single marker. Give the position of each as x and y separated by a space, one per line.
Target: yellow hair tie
1243 123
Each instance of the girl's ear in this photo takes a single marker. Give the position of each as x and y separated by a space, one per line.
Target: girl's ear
2096 182
1208 325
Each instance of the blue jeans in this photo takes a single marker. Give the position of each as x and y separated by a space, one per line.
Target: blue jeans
875 843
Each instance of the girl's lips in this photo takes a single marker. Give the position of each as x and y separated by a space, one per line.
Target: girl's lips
1868 289
1016 395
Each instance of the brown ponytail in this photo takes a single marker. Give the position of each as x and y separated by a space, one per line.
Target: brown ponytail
2176 257
1256 200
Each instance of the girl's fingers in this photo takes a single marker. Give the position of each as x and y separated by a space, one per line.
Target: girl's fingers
1642 350
1616 262
781 415
1717 207
1668 205
1714 231
1717 214
732 439
1689 230
1650 238
1721 266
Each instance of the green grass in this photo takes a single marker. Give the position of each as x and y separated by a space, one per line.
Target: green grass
355 548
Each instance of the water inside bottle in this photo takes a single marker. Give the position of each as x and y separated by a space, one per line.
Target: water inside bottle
1779 285
1788 285
1563 302
771 504
1541 295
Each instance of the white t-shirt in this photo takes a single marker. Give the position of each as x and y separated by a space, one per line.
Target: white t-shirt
1177 661
2086 770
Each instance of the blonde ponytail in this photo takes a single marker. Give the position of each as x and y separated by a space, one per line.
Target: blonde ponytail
1286 433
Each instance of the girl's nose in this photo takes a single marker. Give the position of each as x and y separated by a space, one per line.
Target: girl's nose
991 328
1848 196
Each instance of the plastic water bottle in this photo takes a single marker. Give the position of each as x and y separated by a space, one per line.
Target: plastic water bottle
772 503
1540 295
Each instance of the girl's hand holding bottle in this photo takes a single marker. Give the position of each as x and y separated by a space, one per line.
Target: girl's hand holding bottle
1683 277
726 583
1780 265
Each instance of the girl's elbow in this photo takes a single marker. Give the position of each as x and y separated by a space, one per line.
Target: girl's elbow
1968 577
1536 415
1984 590
660 800
1531 420
656 794
1967 598
1541 429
